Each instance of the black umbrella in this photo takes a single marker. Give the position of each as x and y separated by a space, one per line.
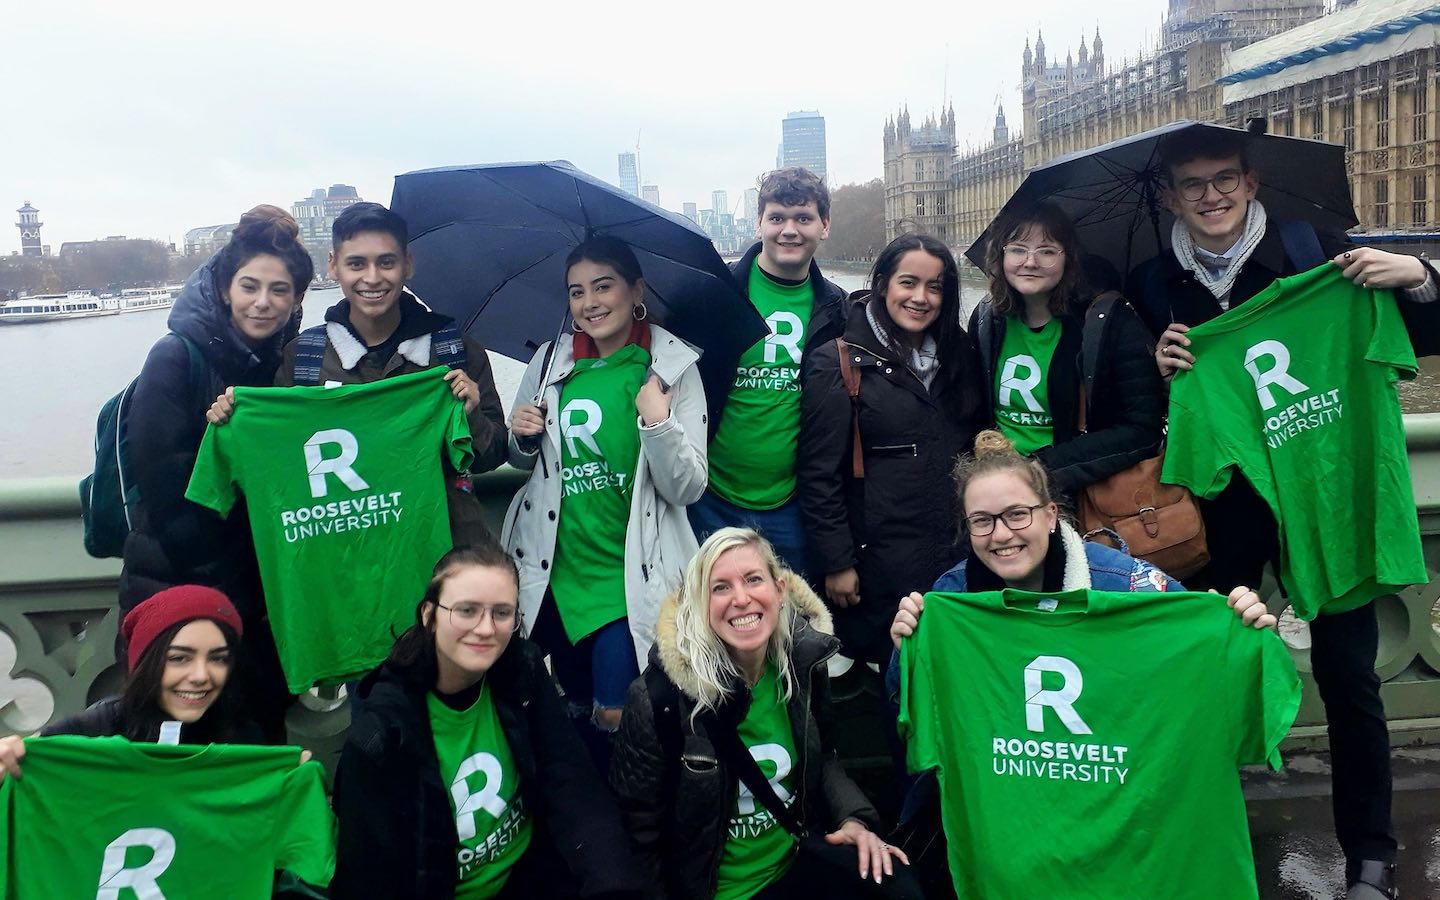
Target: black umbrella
1113 192
490 241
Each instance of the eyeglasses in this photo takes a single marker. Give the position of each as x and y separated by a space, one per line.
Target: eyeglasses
467 615
1225 182
1045 257
1016 518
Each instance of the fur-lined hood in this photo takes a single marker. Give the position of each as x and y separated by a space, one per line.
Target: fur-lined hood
813 631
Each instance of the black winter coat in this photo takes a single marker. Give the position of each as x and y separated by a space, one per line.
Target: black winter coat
104 718
1126 410
827 321
174 541
897 525
677 810
397 832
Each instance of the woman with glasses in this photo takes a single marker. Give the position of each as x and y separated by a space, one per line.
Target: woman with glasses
1030 332
1018 539
462 776
882 529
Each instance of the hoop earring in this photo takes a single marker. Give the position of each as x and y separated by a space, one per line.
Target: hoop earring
575 327
639 311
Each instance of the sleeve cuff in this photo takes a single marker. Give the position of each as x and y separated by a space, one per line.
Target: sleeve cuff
1425 293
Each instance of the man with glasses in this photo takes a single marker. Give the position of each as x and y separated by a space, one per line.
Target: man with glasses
1225 250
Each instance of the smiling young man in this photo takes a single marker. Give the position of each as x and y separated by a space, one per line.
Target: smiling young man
756 426
1226 251
380 330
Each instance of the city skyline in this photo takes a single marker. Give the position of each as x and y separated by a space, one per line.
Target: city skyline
128 137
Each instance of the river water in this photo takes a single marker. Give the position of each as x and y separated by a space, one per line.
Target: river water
57 375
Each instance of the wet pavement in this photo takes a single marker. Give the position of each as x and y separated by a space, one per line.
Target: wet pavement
1291 828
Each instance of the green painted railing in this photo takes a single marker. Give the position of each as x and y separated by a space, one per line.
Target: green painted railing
58 618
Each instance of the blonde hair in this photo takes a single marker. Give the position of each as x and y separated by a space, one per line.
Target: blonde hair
716 673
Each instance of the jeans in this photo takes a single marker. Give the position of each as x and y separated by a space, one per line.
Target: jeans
781 526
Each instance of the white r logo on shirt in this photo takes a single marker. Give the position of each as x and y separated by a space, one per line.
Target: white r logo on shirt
1279 375
776 753
1011 380
789 338
487 798
1062 700
340 466
584 429
143 880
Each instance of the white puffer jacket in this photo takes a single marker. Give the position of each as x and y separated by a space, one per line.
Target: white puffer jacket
670 474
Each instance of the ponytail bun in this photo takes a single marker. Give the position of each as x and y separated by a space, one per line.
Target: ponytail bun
267 225
992 443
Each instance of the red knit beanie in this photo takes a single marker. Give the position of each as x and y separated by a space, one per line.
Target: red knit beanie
172 606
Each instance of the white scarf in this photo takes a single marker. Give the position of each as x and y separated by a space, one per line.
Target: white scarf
1220 284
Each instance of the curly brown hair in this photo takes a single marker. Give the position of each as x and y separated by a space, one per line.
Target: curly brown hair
1054 224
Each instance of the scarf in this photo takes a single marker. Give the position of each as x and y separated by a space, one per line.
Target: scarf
923 360
1220 283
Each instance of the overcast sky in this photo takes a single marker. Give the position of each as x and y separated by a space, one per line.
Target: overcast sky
147 119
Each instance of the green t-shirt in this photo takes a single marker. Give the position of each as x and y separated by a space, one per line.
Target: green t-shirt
347 506
1075 720
752 456
1022 394
599 447
490 816
114 820
758 849
1296 389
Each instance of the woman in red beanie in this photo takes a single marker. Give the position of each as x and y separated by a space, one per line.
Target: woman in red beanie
182 648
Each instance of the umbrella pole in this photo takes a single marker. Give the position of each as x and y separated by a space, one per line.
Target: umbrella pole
549 366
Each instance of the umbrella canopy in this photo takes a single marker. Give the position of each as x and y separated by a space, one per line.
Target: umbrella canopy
1113 193
489 244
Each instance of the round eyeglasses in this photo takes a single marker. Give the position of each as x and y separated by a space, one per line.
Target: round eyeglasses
1225 182
1016 518
467 615
1045 257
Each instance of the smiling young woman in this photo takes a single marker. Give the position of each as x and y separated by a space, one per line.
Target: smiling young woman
462 776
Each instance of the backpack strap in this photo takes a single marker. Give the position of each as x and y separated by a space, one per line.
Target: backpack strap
665 712
1090 336
1302 244
310 354
726 739
199 370
448 346
851 377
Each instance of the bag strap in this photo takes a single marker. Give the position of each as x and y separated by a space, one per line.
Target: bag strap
448 345
1090 334
727 742
851 377
1302 244
309 354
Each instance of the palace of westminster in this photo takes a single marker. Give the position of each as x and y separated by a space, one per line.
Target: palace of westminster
1362 74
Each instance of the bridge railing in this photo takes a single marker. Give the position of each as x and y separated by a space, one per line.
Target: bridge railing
58 617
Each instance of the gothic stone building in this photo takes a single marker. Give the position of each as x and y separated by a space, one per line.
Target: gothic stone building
1362 76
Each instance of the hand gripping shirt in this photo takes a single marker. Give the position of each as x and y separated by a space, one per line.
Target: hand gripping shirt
347 505
491 821
758 849
111 819
1022 396
1296 389
1088 742
752 456
599 447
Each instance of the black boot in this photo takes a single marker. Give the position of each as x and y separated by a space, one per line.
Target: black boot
1369 879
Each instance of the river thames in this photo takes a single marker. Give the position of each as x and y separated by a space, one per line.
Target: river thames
59 374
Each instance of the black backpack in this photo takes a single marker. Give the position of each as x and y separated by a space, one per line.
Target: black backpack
109 495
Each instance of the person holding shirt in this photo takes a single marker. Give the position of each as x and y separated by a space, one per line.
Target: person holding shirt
599 531
738 668
1030 332
462 777
890 531
756 425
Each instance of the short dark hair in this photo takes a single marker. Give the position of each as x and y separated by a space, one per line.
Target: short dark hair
607 251
414 651
361 217
265 230
1052 220
140 709
1190 144
794 186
